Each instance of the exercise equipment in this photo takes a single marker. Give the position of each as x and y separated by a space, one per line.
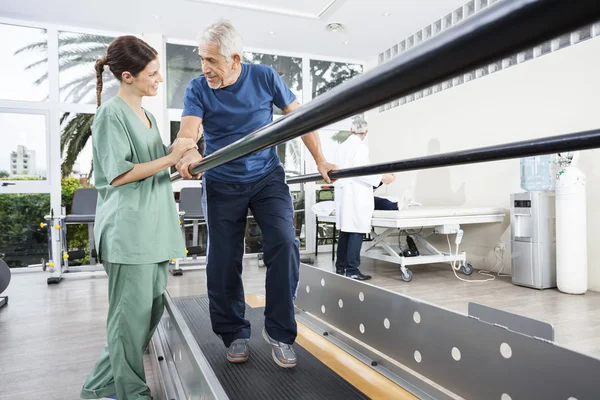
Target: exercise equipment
83 211
4 281
190 210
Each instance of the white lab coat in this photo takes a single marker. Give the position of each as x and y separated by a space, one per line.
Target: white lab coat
354 202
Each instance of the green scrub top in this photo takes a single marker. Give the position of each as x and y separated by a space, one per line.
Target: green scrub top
136 223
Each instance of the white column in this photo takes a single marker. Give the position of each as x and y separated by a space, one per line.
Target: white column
157 105
54 173
309 188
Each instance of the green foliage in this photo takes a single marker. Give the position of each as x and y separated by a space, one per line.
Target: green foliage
22 240
4 174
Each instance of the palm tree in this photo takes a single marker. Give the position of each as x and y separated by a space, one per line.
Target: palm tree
76 51
326 75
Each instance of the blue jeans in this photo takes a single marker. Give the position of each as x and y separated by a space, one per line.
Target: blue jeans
348 252
226 209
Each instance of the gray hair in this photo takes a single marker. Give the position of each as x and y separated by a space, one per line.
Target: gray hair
359 126
226 36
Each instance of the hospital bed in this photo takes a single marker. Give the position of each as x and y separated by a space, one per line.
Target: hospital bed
419 223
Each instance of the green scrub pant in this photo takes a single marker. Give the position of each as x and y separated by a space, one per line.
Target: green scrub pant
135 307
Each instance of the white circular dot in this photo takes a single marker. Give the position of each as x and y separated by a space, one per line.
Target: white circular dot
341 303
505 397
417 317
322 282
456 354
307 289
362 328
323 309
505 350
572 398
418 357
386 323
361 296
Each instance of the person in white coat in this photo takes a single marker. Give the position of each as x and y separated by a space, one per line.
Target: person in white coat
354 201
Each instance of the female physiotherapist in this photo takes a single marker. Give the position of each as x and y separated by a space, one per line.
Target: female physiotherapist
137 226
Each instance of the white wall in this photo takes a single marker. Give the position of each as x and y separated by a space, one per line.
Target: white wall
555 94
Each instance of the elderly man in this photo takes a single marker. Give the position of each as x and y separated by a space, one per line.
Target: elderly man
229 101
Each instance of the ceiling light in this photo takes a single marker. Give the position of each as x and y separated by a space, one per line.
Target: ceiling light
334 26
346 42
387 14
271 33
157 17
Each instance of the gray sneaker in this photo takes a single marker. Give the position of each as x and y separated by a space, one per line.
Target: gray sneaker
283 354
238 351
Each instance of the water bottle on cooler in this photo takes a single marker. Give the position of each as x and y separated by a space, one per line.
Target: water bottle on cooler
536 175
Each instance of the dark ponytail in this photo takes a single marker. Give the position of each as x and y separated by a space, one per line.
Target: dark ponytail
124 54
100 63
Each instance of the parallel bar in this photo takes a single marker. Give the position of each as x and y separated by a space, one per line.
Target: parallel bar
495 33
549 145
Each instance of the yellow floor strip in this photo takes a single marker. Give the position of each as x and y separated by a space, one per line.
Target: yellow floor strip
370 382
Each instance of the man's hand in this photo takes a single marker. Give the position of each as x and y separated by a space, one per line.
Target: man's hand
324 167
189 160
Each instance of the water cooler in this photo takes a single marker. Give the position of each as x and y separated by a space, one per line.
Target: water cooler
533 239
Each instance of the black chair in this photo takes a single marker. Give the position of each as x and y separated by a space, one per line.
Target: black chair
190 209
83 211
326 194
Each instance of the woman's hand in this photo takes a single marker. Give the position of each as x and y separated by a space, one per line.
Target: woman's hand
179 147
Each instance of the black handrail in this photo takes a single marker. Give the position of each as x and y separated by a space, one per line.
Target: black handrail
549 145
499 31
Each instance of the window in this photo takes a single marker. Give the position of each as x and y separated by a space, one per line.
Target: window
289 68
510 61
583 34
325 75
482 72
22 241
77 54
458 15
76 143
470 8
24 68
427 31
546 48
495 67
564 41
23 147
447 22
437 27
183 65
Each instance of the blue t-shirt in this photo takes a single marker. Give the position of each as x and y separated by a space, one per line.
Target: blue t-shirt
230 113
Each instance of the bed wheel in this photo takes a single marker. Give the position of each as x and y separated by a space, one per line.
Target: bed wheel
407 276
466 269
